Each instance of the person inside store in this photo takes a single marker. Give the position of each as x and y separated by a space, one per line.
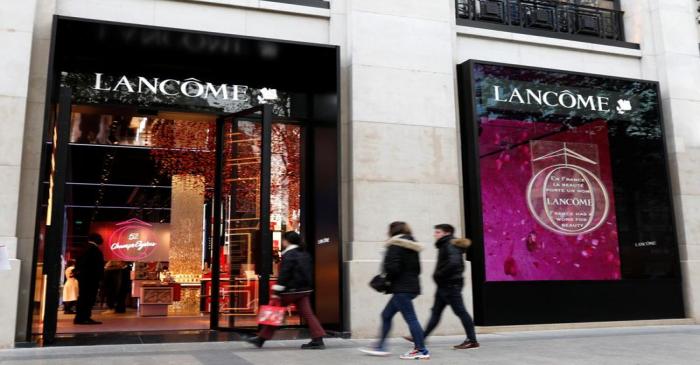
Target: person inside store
448 276
89 270
70 289
115 286
401 267
294 286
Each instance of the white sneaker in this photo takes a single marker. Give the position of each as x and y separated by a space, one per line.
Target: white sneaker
374 351
416 355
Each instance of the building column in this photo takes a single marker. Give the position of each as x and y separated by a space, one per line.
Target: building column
186 216
669 41
403 163
16 28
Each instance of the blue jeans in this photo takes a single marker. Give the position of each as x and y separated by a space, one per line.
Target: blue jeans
402 302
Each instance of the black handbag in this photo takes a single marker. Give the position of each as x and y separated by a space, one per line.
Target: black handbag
380 283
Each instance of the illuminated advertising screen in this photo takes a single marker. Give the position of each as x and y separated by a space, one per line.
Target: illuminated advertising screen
548 204
571 181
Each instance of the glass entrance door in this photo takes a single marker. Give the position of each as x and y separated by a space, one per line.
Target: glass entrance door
257 197
242 257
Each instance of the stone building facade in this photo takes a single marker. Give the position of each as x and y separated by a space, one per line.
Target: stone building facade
400 132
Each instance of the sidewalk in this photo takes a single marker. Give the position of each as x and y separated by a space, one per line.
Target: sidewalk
665 345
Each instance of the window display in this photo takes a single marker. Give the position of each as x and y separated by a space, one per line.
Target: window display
572 176
145 184
567 197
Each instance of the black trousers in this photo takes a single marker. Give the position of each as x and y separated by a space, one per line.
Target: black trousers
110 287
452 296
69 306
87 295
123 290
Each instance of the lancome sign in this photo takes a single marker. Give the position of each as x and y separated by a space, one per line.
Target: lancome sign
190 87
151 91
526 96
565 99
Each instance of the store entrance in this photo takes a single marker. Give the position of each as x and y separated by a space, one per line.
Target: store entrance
190 208
258 197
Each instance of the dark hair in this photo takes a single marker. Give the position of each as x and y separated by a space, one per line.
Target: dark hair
94 237
399 228
447 228
293 238
70 262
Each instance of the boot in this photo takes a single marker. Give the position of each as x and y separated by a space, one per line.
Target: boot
256 341
315 344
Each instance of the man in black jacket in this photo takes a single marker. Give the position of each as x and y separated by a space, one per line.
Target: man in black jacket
89 270
448 277
294 286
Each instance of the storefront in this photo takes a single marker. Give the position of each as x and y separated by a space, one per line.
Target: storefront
330 114
567 196
190 154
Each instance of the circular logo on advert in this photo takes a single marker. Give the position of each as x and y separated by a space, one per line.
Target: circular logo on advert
568 199
133 242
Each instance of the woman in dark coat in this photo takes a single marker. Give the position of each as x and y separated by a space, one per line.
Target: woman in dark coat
402 268
294 286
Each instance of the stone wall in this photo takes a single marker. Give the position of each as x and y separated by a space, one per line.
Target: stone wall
403 136
670 47
16 28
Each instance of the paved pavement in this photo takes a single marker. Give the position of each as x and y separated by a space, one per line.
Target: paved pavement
665 345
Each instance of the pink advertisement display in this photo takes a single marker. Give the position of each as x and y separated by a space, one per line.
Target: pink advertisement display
547 197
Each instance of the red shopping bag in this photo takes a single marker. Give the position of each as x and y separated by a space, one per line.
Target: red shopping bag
272 314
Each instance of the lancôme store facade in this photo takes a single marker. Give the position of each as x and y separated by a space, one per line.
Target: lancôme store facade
191 134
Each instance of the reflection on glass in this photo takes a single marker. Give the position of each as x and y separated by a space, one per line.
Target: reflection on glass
239 285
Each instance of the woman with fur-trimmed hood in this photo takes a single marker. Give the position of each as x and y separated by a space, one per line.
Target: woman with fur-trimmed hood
402 268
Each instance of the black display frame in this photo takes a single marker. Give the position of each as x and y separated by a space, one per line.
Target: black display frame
540 302
326 123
